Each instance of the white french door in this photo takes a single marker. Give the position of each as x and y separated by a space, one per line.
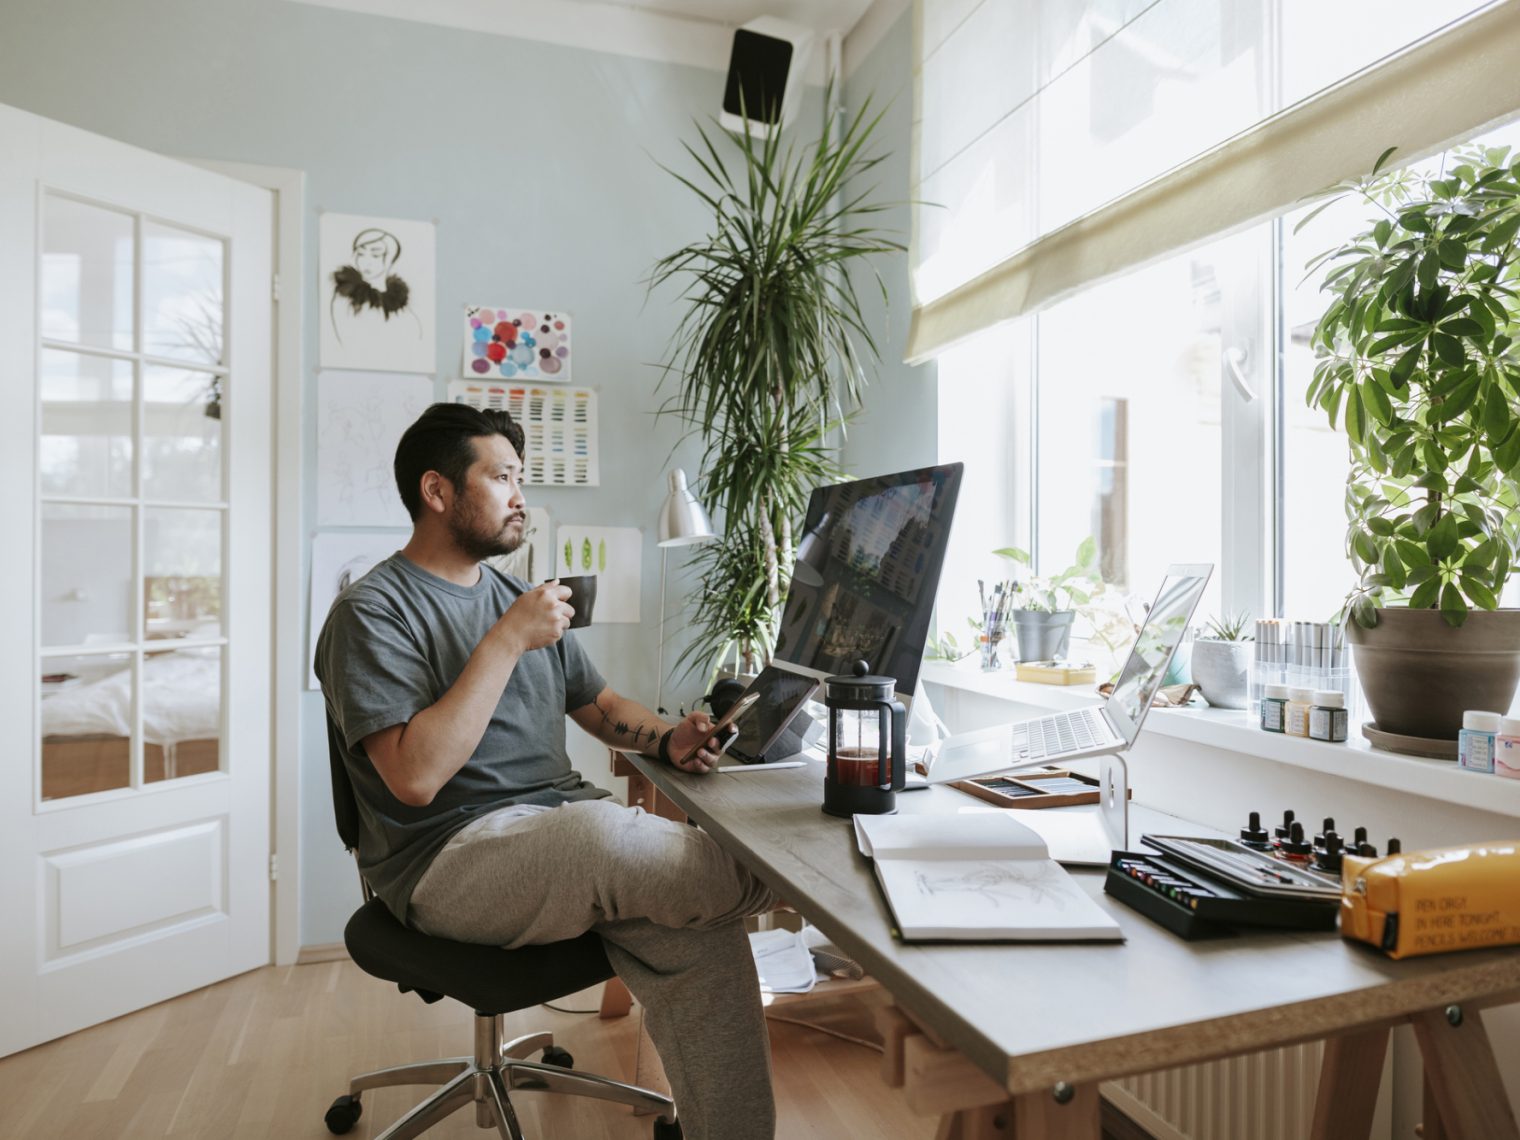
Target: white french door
135 419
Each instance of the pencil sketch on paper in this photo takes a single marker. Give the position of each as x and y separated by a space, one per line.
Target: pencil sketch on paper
360 418
377 277
995 884
530 561
338 560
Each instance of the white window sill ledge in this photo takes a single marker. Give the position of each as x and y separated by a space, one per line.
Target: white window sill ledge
1236 731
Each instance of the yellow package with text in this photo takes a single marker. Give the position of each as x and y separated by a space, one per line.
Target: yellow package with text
1431 902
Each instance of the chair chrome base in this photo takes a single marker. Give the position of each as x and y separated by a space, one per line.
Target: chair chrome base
487 1079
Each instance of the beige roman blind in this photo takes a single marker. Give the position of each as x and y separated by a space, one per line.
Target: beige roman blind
1057 144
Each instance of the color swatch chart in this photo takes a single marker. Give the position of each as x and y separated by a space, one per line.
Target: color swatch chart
560 423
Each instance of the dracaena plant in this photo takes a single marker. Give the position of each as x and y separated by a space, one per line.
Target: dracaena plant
770 358
1416 358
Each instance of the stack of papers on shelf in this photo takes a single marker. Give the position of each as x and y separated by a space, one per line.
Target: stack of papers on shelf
783 961
978 876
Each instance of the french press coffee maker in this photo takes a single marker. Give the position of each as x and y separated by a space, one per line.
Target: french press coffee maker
867 746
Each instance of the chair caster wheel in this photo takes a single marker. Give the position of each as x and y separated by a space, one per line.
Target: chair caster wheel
666 1129
343 1115
554 1055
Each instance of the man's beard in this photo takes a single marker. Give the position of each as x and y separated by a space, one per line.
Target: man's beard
467 534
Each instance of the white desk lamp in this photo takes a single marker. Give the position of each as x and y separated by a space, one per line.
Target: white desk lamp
683 522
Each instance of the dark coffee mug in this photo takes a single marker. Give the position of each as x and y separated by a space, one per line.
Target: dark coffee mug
582 598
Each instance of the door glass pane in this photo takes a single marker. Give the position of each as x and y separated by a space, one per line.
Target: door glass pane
182 713
86 724
182 573
86 445
86 575
182 434
182 294
86 274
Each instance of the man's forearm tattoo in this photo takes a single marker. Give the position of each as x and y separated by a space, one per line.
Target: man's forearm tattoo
636 734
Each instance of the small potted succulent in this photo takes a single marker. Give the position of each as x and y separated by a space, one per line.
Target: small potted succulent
1221 661
1045 607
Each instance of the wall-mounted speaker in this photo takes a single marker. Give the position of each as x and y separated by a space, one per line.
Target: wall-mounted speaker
765 71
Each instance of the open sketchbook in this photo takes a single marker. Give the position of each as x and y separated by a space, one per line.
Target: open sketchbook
980 877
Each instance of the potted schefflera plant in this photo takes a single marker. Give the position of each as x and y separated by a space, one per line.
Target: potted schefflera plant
1046 607
1417 361
1221 661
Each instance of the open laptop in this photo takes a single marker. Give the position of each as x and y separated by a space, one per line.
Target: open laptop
1097 731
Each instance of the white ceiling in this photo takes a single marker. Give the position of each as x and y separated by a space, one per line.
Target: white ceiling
694 32
820 15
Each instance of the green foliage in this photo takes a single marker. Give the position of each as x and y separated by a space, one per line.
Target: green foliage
1230 627
1416 360
1069 589
944 647
769 357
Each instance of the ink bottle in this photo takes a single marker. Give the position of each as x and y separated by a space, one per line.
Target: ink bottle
1296 712
1327 716
1274 702
1507 748
1475 743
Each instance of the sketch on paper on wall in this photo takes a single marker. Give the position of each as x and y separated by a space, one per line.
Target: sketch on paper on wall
516 343
337 562
377 282
360 418
615 555
532 561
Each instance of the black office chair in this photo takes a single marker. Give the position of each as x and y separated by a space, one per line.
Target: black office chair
492 982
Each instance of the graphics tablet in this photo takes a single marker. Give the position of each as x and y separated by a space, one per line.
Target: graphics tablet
765 728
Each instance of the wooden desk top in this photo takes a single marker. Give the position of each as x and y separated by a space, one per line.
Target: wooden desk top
1032 1014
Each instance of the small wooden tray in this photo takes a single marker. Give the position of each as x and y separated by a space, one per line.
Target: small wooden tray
1033 788
1055 672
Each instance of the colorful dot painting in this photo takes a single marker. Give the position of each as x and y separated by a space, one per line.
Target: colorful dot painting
516 344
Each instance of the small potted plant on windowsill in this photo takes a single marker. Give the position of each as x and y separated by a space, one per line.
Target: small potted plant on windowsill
1221 661
1417 360
1046 607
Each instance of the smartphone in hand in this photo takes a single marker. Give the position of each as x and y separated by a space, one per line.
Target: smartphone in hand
725 730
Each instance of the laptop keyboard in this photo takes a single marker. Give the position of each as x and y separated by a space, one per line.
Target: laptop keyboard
1058 734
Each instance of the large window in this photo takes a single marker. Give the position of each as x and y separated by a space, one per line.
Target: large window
1163 413
1132 419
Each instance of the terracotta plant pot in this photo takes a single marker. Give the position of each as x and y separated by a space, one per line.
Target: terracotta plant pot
1420 674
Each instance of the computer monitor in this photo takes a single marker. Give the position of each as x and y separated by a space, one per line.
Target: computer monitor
868 561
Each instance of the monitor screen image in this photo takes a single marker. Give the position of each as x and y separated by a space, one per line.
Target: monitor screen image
867 569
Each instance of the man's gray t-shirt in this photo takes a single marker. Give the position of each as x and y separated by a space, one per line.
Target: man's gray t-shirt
392 645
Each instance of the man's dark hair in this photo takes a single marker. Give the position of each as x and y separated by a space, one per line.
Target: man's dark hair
440 441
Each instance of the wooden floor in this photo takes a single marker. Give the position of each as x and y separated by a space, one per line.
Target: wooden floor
262 1056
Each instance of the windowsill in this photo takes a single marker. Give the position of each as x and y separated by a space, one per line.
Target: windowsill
1235 731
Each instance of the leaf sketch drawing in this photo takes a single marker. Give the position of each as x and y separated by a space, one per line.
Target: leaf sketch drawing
995 884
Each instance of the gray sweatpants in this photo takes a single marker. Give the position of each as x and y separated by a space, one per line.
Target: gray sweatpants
668 902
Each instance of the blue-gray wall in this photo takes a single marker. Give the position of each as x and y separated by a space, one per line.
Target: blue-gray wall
538 163
898 427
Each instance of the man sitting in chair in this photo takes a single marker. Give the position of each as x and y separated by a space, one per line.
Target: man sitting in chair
450 683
